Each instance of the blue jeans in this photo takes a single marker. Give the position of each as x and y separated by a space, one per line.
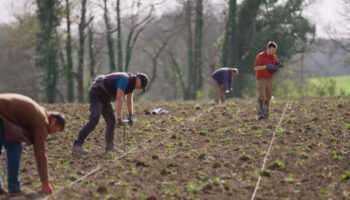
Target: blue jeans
14 151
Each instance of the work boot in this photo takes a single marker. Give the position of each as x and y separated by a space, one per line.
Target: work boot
266 109
16 194
2 191
261 117
79 149
260 109
110 148
117 151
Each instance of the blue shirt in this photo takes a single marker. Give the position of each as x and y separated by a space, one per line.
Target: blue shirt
224 77
121 83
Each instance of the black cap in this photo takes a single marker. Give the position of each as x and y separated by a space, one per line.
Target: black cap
144 80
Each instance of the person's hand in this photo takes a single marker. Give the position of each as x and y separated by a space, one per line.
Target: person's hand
227 91
269 66
131 120
46 188
120 122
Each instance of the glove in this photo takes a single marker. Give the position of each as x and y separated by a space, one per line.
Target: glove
269 66
227 91
120 122
46 188
131 120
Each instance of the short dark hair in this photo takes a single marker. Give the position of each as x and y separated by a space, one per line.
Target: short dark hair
271 44
59 117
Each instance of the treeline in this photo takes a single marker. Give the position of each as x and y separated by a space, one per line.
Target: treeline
53 54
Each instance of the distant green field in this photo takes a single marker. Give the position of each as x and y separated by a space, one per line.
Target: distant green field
342 83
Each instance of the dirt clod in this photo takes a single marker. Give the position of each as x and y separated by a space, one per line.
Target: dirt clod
202 156
165 172
216 165
151 198
102 190
171 165
141 163
202 133
208 187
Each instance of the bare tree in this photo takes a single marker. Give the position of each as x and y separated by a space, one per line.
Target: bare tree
198 43
190 80
119 37
80 71
69 63
160 47
91 51
110 40
137 27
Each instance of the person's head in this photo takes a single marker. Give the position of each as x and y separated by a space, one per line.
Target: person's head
234 71
271 48
56 122
141 81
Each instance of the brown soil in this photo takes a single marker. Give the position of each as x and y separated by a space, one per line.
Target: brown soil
205 151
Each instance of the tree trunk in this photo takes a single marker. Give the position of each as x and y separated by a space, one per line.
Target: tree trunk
191 72
246 22
51 78
80 73
119 38
225 45
91 52
198 46
110 42
47 48
233 54
69 69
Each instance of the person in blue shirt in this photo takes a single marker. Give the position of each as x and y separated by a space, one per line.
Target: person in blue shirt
222 82
104 90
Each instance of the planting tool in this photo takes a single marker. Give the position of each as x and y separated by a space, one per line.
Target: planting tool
124 123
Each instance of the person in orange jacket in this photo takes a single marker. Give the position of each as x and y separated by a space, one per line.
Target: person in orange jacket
23 120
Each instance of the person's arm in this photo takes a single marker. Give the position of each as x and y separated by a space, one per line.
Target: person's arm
119 103
260 67
39 136
41 160
129 103
227 81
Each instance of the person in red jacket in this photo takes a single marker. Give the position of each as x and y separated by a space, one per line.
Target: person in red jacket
23 120
265 67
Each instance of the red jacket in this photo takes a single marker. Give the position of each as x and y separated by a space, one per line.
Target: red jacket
264 59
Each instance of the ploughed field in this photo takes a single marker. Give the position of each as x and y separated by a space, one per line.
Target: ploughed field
204 151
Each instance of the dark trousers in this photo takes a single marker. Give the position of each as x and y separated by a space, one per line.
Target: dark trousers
14 151
98 107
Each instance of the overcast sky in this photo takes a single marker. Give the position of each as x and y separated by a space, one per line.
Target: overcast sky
323 13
